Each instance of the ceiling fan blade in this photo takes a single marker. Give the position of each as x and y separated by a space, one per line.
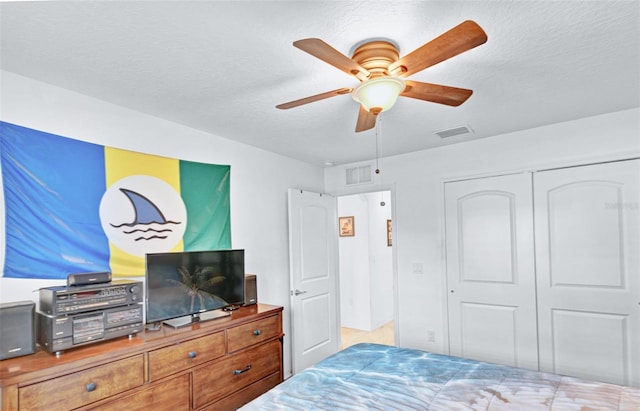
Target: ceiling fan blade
366 120
311 99
459 39
436 93
328 54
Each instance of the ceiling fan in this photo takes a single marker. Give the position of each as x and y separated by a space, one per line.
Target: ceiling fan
381 72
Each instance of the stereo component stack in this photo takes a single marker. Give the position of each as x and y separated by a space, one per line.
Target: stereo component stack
74 315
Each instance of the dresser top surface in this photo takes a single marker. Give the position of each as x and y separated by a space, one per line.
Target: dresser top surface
17 369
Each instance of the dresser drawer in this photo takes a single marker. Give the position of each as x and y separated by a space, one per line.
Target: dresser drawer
254 332
83 387
168 360
214 381
240 398
169 395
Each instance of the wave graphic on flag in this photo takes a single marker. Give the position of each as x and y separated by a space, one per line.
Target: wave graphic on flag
73 206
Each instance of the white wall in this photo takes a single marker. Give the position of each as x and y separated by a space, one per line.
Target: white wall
366 270
380 260
355 283
259 179
418 179
354 266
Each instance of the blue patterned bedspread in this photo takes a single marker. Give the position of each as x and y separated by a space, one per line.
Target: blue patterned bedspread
379 377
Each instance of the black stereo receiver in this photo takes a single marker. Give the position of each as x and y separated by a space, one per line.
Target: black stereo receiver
59 333
62 300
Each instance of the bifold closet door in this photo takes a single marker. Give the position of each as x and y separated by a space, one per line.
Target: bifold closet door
490 270
587 250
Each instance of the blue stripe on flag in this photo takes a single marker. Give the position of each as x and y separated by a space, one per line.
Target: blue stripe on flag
52 191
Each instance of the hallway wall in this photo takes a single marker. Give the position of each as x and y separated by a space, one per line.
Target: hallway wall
366 270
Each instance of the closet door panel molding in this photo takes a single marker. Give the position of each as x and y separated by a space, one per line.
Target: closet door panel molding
588 277
490 270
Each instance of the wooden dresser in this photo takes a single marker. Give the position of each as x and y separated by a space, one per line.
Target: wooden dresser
214 365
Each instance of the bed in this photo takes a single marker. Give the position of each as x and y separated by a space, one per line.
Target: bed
379 377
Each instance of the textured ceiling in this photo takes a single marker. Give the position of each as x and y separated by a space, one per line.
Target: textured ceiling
222 67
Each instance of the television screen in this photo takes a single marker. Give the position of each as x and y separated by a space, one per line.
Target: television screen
184 284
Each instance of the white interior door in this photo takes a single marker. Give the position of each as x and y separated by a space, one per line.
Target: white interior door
587 230
313 248
490 270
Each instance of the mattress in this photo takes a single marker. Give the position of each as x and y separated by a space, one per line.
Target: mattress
380 377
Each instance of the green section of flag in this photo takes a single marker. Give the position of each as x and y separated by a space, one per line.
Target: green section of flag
204 189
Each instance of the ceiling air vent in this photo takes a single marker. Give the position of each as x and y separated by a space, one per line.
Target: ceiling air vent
358 175
454 131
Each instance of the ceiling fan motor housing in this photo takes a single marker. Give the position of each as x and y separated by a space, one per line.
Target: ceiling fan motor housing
376 57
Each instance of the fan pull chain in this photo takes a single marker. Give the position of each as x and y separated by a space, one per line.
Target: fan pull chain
378 140
378 132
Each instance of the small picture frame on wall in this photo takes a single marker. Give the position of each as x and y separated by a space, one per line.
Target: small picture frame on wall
388 233
346 226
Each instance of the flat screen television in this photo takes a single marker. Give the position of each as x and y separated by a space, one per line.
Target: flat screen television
191 286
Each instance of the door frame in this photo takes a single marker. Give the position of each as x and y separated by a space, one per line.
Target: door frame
391 188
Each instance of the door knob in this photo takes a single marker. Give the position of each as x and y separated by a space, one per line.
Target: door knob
298 292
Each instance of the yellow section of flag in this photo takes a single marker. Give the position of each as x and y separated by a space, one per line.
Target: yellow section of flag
120 164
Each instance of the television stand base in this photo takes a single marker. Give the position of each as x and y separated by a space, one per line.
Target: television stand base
196 318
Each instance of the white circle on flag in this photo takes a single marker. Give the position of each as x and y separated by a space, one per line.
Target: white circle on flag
143 214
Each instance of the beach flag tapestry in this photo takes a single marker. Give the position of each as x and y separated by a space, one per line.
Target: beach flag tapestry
75 207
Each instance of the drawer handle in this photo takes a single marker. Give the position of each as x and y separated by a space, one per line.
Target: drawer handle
193 354
245 369
257 332
91 386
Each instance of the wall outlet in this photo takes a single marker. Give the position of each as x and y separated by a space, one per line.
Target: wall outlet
431 336
417 268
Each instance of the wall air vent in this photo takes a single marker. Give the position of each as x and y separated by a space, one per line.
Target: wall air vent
358 175
454 131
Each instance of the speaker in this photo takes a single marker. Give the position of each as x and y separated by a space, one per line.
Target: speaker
17 329
88 278
250 289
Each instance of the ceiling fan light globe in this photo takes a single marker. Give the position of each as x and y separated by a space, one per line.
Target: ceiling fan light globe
378 94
